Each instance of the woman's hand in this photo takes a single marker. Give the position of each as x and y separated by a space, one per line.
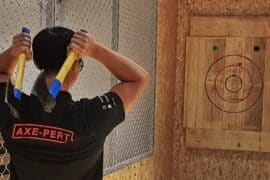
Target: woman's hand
83 44
21 43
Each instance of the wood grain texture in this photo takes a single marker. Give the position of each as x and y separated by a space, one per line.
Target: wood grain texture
224 83
204 163
165 89
198 111
230 26
251 117
266 94
227 139
228 72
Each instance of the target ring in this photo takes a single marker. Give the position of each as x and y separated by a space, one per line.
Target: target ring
233 84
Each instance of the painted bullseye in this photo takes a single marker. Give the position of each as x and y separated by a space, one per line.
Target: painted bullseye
233 84
236 73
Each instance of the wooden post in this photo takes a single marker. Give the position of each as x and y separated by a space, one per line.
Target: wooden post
165 89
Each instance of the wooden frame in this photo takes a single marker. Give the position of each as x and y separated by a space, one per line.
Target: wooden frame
227 104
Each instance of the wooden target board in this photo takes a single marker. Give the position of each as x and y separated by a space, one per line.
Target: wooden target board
227 83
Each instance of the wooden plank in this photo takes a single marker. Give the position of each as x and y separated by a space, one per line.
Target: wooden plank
203 112
223 139
230 26
212 116
248 67
188 119
165 90
213 139
234 46
199 55
266 92
265 143
252 118
192 73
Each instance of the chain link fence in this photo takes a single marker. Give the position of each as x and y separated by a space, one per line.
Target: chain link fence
128 26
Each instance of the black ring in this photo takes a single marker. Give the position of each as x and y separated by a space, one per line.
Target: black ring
259 95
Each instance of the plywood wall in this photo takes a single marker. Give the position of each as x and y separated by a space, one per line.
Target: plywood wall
212 164
139 171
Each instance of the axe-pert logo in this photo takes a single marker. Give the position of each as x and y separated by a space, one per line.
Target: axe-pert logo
43 133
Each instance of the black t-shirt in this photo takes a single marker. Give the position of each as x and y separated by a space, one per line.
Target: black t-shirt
66 144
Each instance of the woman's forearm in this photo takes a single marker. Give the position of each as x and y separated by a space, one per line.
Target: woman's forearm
122 67
134 78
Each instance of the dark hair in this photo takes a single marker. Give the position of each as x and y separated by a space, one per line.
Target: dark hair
50 48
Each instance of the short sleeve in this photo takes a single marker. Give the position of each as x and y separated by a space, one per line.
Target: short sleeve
103 113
